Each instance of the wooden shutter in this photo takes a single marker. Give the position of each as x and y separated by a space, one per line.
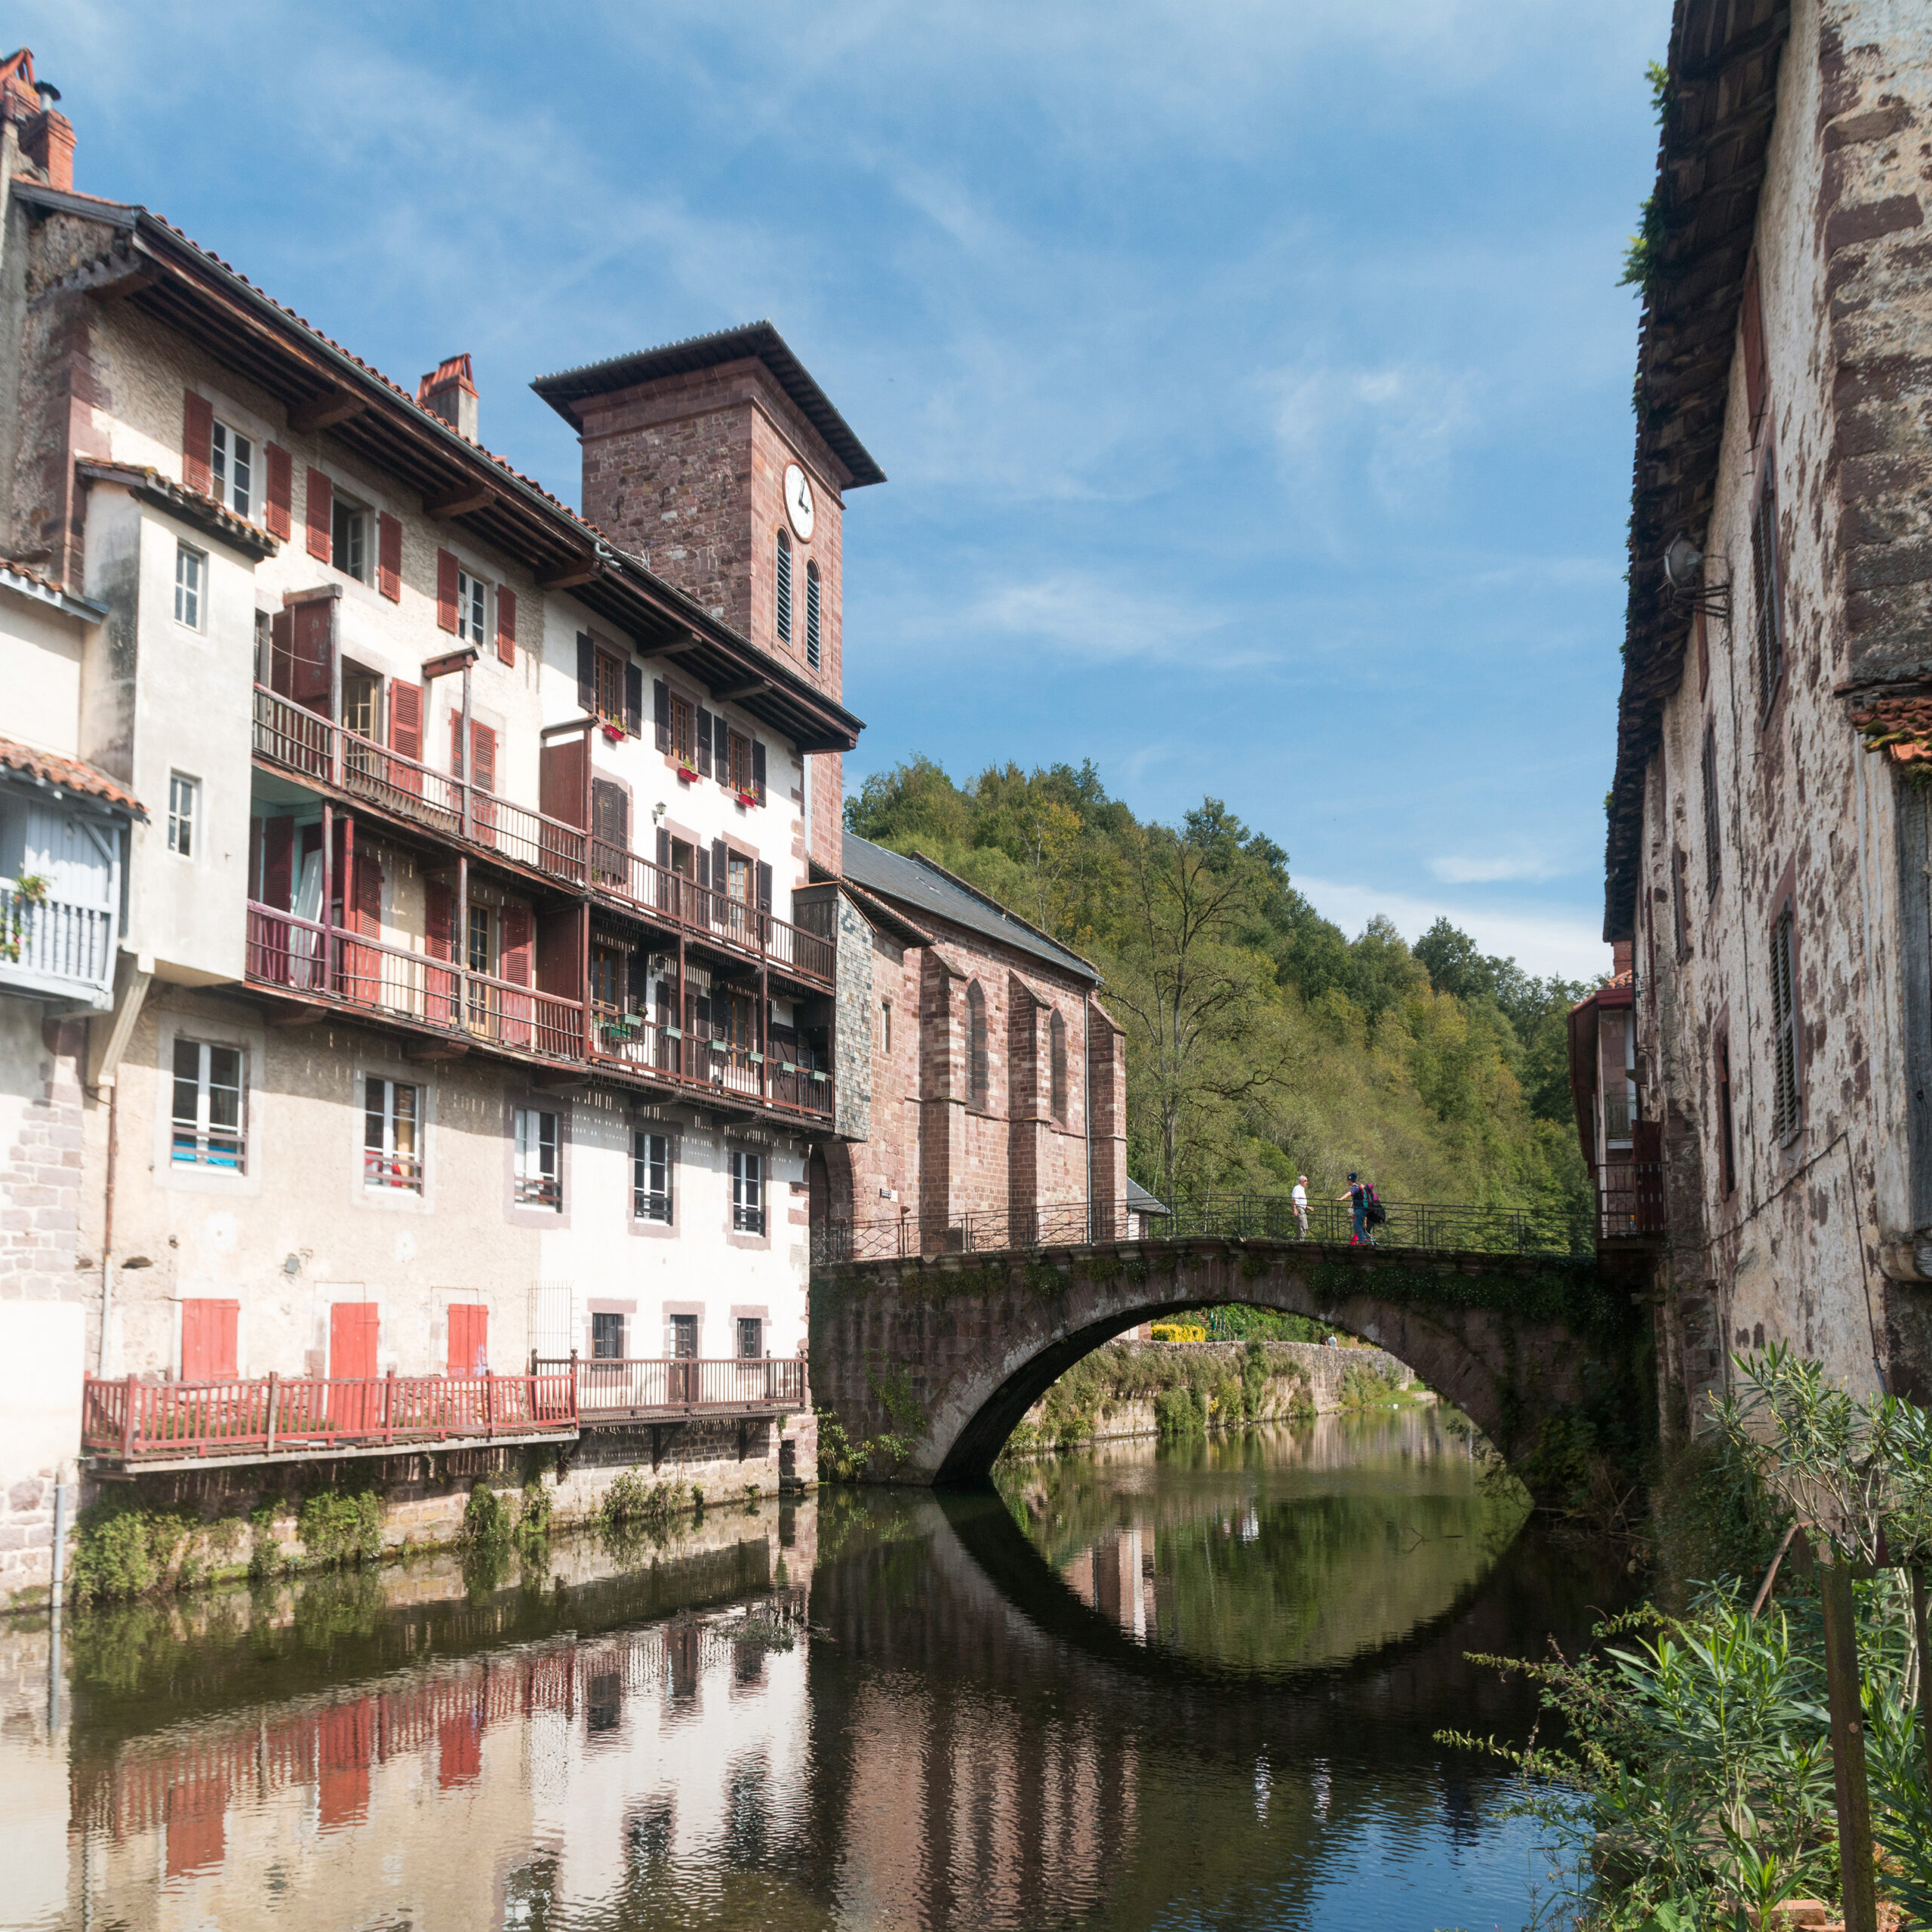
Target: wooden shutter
634 699
438 919
587 673
368 912
703 857
609 812
446 589
388 557
506 623
1713 866
209 1332
721 868
278 514
321 507
311 672
660 701
764 887
758 768
281 653
483 758
704 742
469 1339
1752 324
342 866
664 848
279 863
456 759
353 1334
198 443
513 961
406 719
560 781
561 952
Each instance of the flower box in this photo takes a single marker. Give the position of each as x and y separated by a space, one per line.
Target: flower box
687 774
614 733
748 797
717 1046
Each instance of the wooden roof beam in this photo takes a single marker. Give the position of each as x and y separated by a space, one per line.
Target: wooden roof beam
325 411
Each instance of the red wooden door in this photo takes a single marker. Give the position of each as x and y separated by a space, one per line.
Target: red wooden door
208 1331
469 1339
352 1326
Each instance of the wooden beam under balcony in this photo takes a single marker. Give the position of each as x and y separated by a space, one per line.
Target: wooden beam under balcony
583 570
325 411
460 501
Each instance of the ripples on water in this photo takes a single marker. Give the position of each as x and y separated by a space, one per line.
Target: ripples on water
1127 1690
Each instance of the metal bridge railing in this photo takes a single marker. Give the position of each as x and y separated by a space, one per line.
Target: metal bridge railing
1410 1225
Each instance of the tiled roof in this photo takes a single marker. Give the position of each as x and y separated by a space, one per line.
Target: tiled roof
930 889
205 513
23 577
1901 726
68 774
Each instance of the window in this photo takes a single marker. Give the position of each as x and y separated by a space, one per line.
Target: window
607 1338
392 1139
738 774
539 1181
1770 636
1713 871
748 1193
751 1338
469 607
610 688
978 1074
190 575
651 1177
233 457
684 734
812 620
361 697
1726 1143
183 793
481 957
607 977
884 1042
1057 1043
207 1106
684 1337
784 587
1785 1108
350 539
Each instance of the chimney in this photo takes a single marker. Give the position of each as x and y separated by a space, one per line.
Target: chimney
46 137
449 391
1620 951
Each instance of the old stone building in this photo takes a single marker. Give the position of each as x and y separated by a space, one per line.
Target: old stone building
997 1080
420 967
1768 856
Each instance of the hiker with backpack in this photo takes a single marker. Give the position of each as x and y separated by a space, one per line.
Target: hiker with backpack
1365 1211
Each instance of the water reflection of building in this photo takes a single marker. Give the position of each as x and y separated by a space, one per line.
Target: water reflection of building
1116 1577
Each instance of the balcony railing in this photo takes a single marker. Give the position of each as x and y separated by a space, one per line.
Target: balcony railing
1630 1201
711 916
168 1421
640 1387
55 941
324 962
291 736
713 1066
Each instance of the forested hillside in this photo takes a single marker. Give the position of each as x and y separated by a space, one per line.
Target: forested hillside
1262 1041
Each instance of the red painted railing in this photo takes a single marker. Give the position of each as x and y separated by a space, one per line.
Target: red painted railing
641 1385
164 1421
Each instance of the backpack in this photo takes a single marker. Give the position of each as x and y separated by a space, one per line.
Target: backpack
1373 1213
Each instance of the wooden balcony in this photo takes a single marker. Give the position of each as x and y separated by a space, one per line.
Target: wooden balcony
674 1389
718 1069
56 949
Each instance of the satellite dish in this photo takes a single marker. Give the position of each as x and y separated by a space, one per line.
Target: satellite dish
1683 564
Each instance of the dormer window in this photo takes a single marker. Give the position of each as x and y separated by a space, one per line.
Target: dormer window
232 464
812 620
784 586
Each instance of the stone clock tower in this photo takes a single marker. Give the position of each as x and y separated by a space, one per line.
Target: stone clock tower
721 464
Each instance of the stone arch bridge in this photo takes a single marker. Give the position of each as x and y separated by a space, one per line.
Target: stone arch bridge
944 1354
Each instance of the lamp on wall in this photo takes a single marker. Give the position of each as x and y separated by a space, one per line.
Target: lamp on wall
1684 577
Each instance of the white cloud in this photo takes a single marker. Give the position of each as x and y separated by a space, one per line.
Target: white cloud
1465 869
1543 942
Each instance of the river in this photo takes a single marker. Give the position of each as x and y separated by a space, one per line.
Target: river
1190 1688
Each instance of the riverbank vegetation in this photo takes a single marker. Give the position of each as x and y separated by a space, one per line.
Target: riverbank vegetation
1262 1042
1762 1732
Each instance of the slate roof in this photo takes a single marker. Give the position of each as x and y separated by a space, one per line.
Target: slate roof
1139 1201
926 887
67 774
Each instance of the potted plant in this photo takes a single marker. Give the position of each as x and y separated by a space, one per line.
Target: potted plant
686 773
613 733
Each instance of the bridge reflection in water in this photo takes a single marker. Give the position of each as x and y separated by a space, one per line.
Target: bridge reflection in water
973 1725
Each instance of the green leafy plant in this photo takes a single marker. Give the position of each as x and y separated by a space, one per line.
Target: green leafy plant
334 1530
29 889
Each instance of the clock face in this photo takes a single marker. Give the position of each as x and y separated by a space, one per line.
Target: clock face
798 501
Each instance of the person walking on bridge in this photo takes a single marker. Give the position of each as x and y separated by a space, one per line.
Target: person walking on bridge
1356 1195
1300 1198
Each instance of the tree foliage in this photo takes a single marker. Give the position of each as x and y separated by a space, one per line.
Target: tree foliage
1262 1041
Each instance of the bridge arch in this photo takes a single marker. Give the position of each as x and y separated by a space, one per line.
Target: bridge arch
943 1355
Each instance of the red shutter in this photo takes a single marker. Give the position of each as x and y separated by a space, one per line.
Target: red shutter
311 674
278 862
446 570
406 719
515 955
198 443
209 1331
322 514
439 918
368 914
388 557
469 1343
483 761
352 1333
279 513
506 623
560 781
281 653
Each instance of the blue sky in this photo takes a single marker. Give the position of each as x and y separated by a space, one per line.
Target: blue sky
1252 379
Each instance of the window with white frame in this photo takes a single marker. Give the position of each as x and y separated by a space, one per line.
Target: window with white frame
539 1177
191 571
747 1193
208 1129
469 592
233 466
392 1135
184 796
650 1176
